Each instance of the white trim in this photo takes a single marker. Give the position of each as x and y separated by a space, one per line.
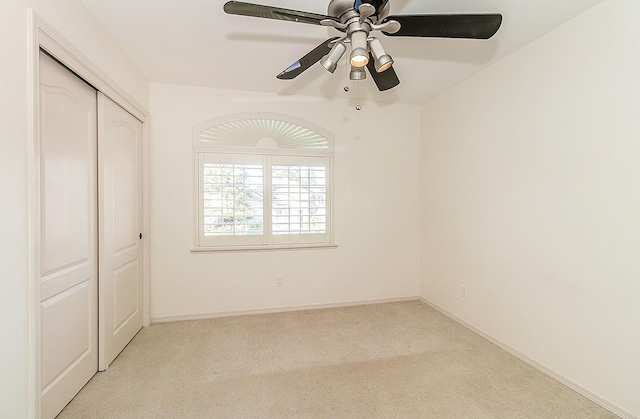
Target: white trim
43 36
535 364
197 170
215 315
33 157
146 224
265 247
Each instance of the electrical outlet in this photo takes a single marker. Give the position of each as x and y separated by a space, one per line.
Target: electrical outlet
279 281
463 291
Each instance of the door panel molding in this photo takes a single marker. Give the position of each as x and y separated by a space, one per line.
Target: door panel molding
52 285
51 378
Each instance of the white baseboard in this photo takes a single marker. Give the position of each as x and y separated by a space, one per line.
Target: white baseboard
558 377
204 316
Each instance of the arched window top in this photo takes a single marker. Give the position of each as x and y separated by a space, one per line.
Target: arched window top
263 131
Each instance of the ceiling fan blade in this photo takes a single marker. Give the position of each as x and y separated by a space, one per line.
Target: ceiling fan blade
447 26
268 12
386 80
315 55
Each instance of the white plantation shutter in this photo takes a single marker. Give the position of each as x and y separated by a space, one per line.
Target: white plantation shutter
262 182
232 199
299 199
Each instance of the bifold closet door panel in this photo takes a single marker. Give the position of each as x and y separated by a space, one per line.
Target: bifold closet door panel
68 235
120 206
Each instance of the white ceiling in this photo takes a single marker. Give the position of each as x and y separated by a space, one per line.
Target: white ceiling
193 42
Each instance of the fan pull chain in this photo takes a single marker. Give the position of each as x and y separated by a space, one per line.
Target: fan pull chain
346 78
346 86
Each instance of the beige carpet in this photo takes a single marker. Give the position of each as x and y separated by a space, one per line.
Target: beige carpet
399 360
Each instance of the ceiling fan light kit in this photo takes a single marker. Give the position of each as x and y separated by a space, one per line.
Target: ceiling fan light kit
359 56
357 19
382 60
357 73
330 61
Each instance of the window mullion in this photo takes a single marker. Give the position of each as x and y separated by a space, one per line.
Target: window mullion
289 206
268 189
234 187
200 209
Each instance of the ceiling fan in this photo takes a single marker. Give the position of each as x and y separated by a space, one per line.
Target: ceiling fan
357 19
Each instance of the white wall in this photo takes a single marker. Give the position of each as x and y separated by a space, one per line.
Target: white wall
376 196
71 19
531 198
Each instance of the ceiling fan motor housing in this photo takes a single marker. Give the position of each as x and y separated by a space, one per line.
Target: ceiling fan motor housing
340 9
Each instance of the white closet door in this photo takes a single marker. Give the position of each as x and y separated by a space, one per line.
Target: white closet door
120 203
68 254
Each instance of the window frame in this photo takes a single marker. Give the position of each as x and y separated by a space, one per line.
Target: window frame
267 241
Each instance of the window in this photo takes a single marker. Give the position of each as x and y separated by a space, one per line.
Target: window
262 183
